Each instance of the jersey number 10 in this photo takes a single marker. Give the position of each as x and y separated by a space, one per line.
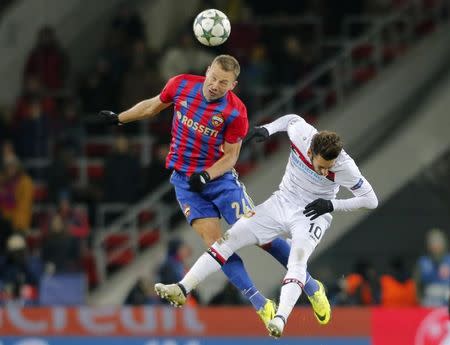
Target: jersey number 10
316 231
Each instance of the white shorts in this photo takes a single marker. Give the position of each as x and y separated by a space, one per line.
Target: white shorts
278 217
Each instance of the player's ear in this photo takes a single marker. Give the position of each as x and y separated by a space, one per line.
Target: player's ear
233 85
207 70
309 153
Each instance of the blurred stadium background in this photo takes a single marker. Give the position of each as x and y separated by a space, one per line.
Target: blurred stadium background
88 221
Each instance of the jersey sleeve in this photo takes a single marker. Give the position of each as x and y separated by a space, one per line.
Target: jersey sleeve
282 123
237 129
298 128
168 92
351 178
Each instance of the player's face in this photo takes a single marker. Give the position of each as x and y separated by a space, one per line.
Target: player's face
320 165
218 82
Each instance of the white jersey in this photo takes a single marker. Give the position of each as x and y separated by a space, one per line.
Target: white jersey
300 183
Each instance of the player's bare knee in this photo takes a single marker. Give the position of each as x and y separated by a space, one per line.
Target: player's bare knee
209 231
213 236
209 240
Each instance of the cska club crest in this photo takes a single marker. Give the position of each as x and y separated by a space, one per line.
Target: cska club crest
217 120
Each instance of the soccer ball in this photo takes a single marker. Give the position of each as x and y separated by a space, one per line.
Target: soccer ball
212 27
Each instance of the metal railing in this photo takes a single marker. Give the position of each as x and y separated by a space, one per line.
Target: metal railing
128 224
339 71
340 68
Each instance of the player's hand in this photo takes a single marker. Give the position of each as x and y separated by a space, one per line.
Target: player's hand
109 117
317 208
198 180
258 133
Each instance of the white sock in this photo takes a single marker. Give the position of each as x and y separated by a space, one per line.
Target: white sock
290 293
203 267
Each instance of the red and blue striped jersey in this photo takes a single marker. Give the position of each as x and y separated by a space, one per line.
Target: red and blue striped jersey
200 127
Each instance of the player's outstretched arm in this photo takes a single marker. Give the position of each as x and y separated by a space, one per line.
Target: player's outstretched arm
261 133
321 206
145 109
282 123
368 200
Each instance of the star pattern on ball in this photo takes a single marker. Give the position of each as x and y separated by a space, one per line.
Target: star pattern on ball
217 19
212 19
207 34
200 18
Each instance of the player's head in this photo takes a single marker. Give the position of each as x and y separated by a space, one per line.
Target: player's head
436 242
221 77
325 148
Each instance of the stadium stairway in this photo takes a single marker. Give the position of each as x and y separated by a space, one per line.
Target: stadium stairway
371 114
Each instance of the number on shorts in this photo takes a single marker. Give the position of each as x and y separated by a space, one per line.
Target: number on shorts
237 208
315 230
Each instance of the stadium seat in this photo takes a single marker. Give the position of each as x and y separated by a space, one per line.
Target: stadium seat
271 146
120 257
425 27
148 237
305 94
363 74
116 240
90 268
95 171
74 171
40 192
95 149
34 240
330 99
363 51
146 216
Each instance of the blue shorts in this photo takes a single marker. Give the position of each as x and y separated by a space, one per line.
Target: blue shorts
222 197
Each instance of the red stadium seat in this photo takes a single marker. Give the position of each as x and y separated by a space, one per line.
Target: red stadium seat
116 240
271 146
310 118
95 149
74 171
120 257
34 240
425 27
89 266
330 98
40 192
392 51
95 171
146 216
305 94
148 238
363 51
363 74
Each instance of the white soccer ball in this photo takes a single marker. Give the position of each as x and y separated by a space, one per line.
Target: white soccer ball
212 27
